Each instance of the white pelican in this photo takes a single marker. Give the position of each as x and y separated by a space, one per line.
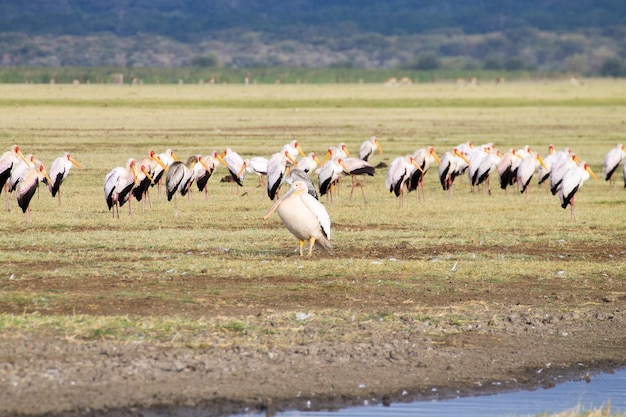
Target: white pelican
304 216
399 172
27 186
8 160
203 175
611 162
59 170
368 147
276 170
453 164
572 181
425 158
526 170
118 185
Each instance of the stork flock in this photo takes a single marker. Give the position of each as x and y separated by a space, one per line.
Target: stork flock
21 174
562 171
299 208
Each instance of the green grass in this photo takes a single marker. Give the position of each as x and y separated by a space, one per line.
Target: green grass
472 239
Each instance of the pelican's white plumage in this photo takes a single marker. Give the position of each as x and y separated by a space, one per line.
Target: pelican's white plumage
304 216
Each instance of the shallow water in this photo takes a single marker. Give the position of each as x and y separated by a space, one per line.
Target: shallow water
602 389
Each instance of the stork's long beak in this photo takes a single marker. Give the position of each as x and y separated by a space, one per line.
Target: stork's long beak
588 169
417 166
21 155
73 161
201 160
345 149
316 159
541 162
147 174
462 156
243 168
300 151
293 161
327 157
45 174
174 156
277 203
381 149
158 160
433 153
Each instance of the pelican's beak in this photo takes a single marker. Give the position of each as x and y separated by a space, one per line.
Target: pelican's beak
157 159
147 174
73 161
542 164
588 169
381 149
277 203
433 153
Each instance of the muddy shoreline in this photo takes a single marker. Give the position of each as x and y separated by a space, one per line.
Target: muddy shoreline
55 376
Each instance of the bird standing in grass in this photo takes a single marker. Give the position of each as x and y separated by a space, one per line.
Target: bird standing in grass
118 186
59 170
304 216
27 186
571 183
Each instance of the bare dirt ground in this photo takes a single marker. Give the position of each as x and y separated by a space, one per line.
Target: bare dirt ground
520 335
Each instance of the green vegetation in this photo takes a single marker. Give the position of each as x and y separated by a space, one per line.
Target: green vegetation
447 245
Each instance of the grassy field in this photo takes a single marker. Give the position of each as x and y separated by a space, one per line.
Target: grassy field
473 238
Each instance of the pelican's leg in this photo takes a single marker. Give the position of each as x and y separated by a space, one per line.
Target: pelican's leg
301 247
312 245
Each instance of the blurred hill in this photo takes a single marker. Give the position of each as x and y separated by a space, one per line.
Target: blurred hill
577 36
